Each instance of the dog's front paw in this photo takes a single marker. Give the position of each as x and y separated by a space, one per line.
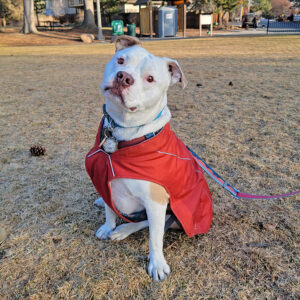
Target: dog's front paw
104 231
158 269
121 232
99 202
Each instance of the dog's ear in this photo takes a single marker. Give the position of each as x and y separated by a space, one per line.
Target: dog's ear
176 72
125 41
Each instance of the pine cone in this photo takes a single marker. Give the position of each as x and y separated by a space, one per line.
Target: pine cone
37 150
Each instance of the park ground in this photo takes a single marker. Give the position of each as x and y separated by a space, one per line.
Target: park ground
14 37
248 131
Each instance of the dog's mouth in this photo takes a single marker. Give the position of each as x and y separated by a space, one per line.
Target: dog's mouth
133 108
117 92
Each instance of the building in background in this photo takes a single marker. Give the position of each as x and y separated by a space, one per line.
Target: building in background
59 8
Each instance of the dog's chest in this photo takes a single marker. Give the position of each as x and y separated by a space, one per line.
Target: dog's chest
133 195
128 195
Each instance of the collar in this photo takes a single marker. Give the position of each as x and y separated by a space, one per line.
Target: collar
113 124
104 134
136 141
107 132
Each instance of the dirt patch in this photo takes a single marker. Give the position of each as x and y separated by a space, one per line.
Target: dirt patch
248 131
12 37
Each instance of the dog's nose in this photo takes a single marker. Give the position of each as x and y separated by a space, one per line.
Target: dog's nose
124 79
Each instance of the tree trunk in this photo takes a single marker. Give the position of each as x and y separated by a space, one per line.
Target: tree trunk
221 17
29 22
89 19
38 20
4 21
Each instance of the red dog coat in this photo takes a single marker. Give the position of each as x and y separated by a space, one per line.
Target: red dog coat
164 160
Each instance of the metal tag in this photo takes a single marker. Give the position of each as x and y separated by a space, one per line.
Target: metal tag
105 135
110 145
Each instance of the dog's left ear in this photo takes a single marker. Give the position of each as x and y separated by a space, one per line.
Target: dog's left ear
125 41
176 72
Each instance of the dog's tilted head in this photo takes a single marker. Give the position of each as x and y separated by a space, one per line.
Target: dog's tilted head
136 82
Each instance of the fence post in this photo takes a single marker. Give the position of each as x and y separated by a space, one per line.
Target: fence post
268 26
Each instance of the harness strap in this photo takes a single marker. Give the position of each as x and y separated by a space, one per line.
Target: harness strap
136 216
170 221
233 191
136 141
142 216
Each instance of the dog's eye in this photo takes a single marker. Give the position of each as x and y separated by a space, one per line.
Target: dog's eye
120 61
150 79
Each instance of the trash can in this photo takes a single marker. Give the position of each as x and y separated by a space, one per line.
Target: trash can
117 27
131 29
167 21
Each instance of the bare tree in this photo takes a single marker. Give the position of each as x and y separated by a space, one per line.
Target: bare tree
29 20
89 19
279 6
205 6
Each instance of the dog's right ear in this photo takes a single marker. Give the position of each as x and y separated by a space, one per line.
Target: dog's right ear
125 41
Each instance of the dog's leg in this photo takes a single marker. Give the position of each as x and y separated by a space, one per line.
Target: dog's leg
109 225
156 213
124 230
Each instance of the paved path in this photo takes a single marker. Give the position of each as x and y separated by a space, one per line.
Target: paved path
229 33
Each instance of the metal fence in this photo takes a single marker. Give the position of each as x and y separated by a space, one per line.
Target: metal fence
274 26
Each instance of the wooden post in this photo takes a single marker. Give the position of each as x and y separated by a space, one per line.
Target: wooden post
184 18
150 19
211 25
100 36
200 25
140 35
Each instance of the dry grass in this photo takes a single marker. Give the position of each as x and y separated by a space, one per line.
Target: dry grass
248 131
13 36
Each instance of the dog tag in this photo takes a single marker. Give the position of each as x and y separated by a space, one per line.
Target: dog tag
106 135
110 145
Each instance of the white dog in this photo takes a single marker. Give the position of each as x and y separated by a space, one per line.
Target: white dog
137 164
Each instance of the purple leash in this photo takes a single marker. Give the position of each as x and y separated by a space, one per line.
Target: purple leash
250 196
233 191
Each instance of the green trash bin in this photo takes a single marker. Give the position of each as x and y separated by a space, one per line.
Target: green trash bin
117 27
131 29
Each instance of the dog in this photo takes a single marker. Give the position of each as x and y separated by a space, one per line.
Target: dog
137 164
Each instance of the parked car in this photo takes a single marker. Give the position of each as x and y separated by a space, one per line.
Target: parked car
247 20
263 23
296 18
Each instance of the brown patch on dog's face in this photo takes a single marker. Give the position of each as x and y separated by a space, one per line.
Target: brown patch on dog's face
158 193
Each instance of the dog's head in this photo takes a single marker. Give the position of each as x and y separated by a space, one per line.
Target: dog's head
136 82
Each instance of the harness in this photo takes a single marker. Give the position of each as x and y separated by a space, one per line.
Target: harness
106 132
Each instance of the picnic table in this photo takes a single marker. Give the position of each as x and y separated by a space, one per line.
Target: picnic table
50 25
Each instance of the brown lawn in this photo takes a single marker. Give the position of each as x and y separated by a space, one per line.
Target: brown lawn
249 132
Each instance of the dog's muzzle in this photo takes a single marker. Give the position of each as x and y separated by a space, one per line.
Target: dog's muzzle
123 80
